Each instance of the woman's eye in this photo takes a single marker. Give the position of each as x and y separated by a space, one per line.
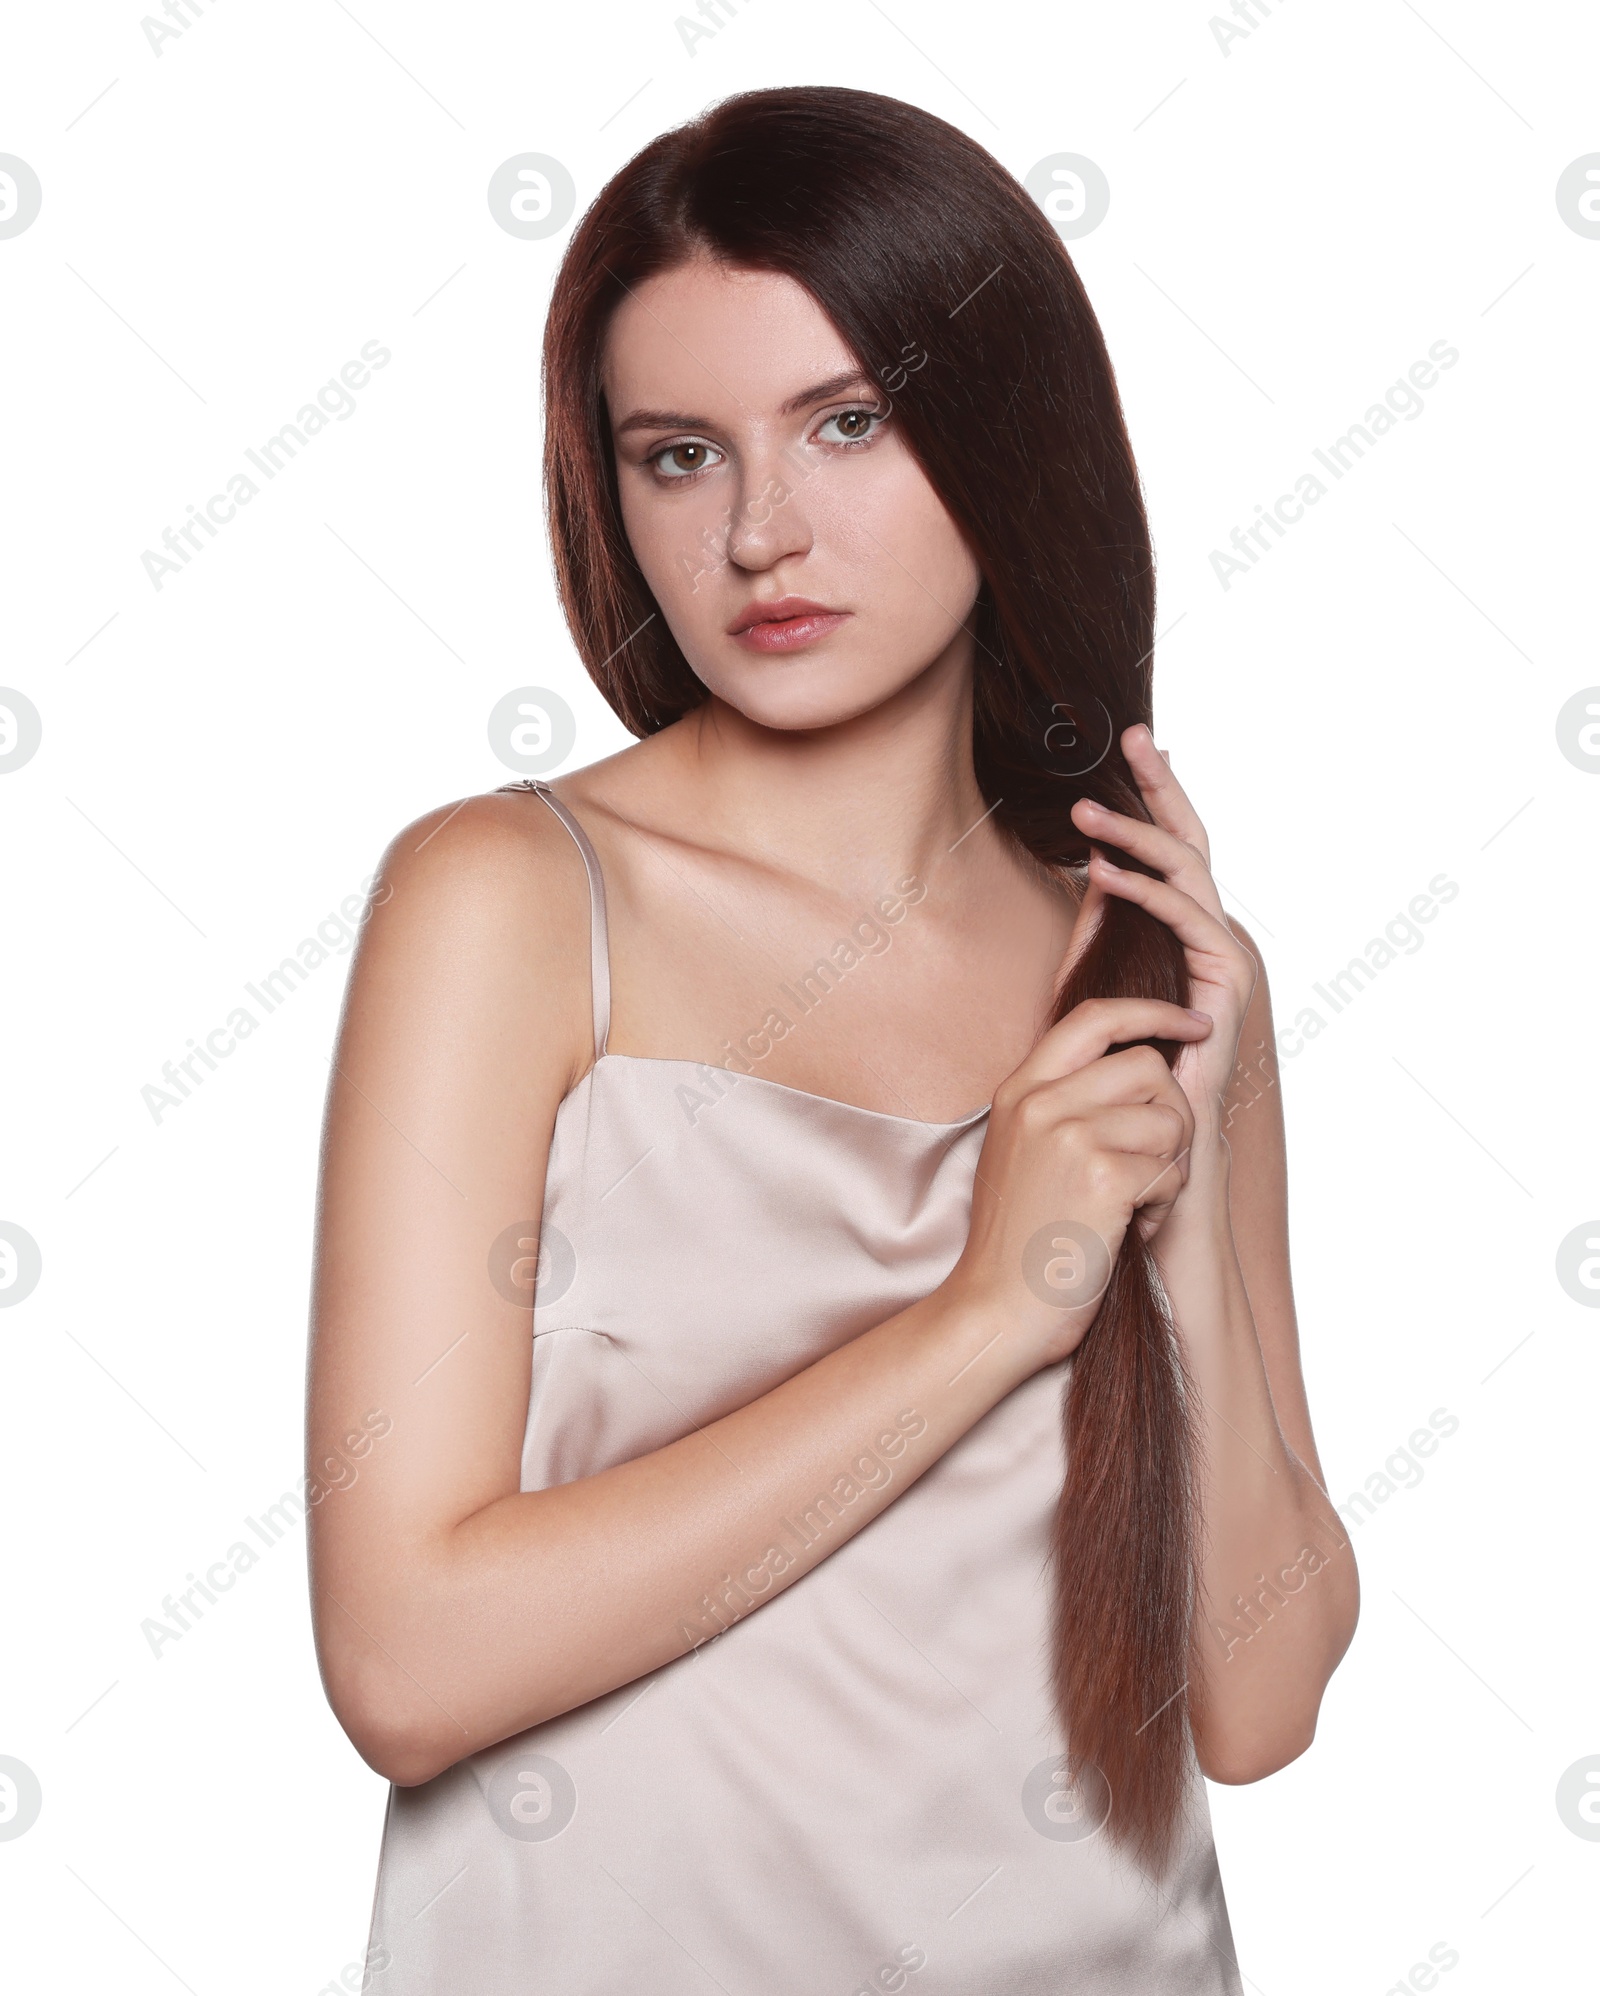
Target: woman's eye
683 460
858 426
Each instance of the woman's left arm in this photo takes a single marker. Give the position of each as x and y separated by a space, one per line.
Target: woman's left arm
1278 1594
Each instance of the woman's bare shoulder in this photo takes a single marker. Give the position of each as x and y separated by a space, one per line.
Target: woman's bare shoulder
488 856
480 910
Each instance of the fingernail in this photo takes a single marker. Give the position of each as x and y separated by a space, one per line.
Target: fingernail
1193 1014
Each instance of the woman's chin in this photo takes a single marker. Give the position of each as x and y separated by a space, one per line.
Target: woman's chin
799 717
790 697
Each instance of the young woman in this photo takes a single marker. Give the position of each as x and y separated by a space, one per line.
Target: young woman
747 1616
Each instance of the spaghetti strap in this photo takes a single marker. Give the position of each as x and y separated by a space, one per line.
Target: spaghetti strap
599 943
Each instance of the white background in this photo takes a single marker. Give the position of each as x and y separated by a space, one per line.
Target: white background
1292 224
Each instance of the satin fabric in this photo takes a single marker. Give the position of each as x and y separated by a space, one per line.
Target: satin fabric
851 1786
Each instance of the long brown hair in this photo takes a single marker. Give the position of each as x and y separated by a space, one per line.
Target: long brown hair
954 291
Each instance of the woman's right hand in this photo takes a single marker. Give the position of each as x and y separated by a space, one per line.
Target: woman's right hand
1079 1140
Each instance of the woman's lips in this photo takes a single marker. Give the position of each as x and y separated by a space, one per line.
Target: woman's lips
789 633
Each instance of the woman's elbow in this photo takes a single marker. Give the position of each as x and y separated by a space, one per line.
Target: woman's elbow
397 1738
397 1746
1236 1763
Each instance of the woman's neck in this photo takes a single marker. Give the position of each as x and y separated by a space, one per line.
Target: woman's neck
887 793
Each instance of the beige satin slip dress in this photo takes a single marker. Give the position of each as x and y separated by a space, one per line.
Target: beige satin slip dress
859 1786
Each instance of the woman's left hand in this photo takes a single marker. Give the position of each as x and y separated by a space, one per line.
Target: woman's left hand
1221 969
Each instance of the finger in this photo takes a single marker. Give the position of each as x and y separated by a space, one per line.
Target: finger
1154 1181
1091 1029
1166 796
1157 847
1152 1217
1195 927
1144 1178
1146 1129
1135 1077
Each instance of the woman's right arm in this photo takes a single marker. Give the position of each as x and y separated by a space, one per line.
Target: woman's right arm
453 1609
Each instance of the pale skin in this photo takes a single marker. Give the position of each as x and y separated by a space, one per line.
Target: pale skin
453 1609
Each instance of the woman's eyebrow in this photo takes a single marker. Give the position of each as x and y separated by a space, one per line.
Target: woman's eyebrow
667 419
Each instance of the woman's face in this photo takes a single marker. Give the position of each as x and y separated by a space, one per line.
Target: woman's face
756 464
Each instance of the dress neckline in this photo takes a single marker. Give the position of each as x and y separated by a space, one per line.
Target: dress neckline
600 991
783 1088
